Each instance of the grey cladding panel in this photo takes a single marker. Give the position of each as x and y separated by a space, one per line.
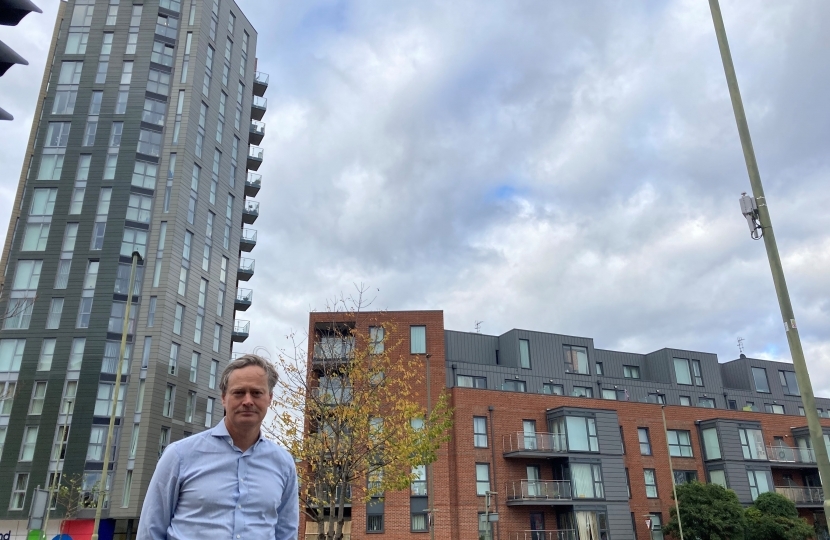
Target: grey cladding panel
608 432
613 478
469 347
735 375
737 481
730 441
619 521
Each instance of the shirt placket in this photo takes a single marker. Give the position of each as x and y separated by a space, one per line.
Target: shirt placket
242 490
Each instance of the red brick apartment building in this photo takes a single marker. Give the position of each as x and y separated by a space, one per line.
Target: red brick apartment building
566 441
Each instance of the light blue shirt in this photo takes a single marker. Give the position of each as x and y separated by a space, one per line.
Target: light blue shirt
205 487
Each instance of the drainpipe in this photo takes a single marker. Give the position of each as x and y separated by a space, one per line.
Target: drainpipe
493 459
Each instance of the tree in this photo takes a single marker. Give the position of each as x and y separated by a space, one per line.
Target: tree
708 512
353 414
774 517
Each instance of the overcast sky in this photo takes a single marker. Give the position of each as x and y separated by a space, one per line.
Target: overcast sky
568 167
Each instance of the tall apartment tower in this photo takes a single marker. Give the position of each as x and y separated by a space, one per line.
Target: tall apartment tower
142 142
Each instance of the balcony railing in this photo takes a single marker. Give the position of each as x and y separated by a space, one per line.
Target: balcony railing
255 154
561 534
802 495
256 132
244 298
252 184
785 454
241 329
250 212
538 490
248 240
535 442
258 107
260 83
245 271
333 348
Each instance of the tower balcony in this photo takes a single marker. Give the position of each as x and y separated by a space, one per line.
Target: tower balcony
248 240
244 297
258 107
252 184
245 271
241 329
529 492
534 445
250 212
802 496
256 132
260 83
255 154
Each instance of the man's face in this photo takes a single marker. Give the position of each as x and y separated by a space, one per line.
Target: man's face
247 398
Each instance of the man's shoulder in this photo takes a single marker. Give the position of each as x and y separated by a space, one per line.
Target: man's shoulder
192 442
279 452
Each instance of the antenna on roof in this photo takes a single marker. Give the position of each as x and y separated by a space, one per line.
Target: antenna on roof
478 327
741 344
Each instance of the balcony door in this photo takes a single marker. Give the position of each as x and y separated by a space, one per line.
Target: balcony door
533 485
529 429
537 525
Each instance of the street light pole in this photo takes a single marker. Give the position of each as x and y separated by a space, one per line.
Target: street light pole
58 470
114 408
671 471
787 314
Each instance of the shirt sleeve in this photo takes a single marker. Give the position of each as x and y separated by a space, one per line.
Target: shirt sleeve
288 512
161 499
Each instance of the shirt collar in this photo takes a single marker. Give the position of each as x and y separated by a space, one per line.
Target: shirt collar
221 430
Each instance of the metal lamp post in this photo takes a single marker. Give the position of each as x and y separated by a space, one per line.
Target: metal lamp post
114 408
758 209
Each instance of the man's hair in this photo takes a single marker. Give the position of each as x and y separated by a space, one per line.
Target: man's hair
245 361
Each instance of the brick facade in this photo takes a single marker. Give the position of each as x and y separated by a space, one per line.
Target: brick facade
457 507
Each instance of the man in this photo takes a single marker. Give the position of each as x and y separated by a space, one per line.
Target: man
228 482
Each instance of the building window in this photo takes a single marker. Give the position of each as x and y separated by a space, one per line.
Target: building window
711 444
38 397
718 476
553 389
164 439
706 403
97 441
789 383
418 339
11 354
53 320
583 391
627 483
514 386
680 443
418 522
217 337
467 381
752 444
759 482
169 400
214 368
774 408
524 353
801 411
480 431
103 400
194 366
482 478
418 486
21 481
656 526
686 401
645 442
47 353
581 434
576 359
177 320
609 393
599 368
684 477
376 344
374 523
651 483
162 53
191 403
173 362
759 375
631 372
586 479
27 449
